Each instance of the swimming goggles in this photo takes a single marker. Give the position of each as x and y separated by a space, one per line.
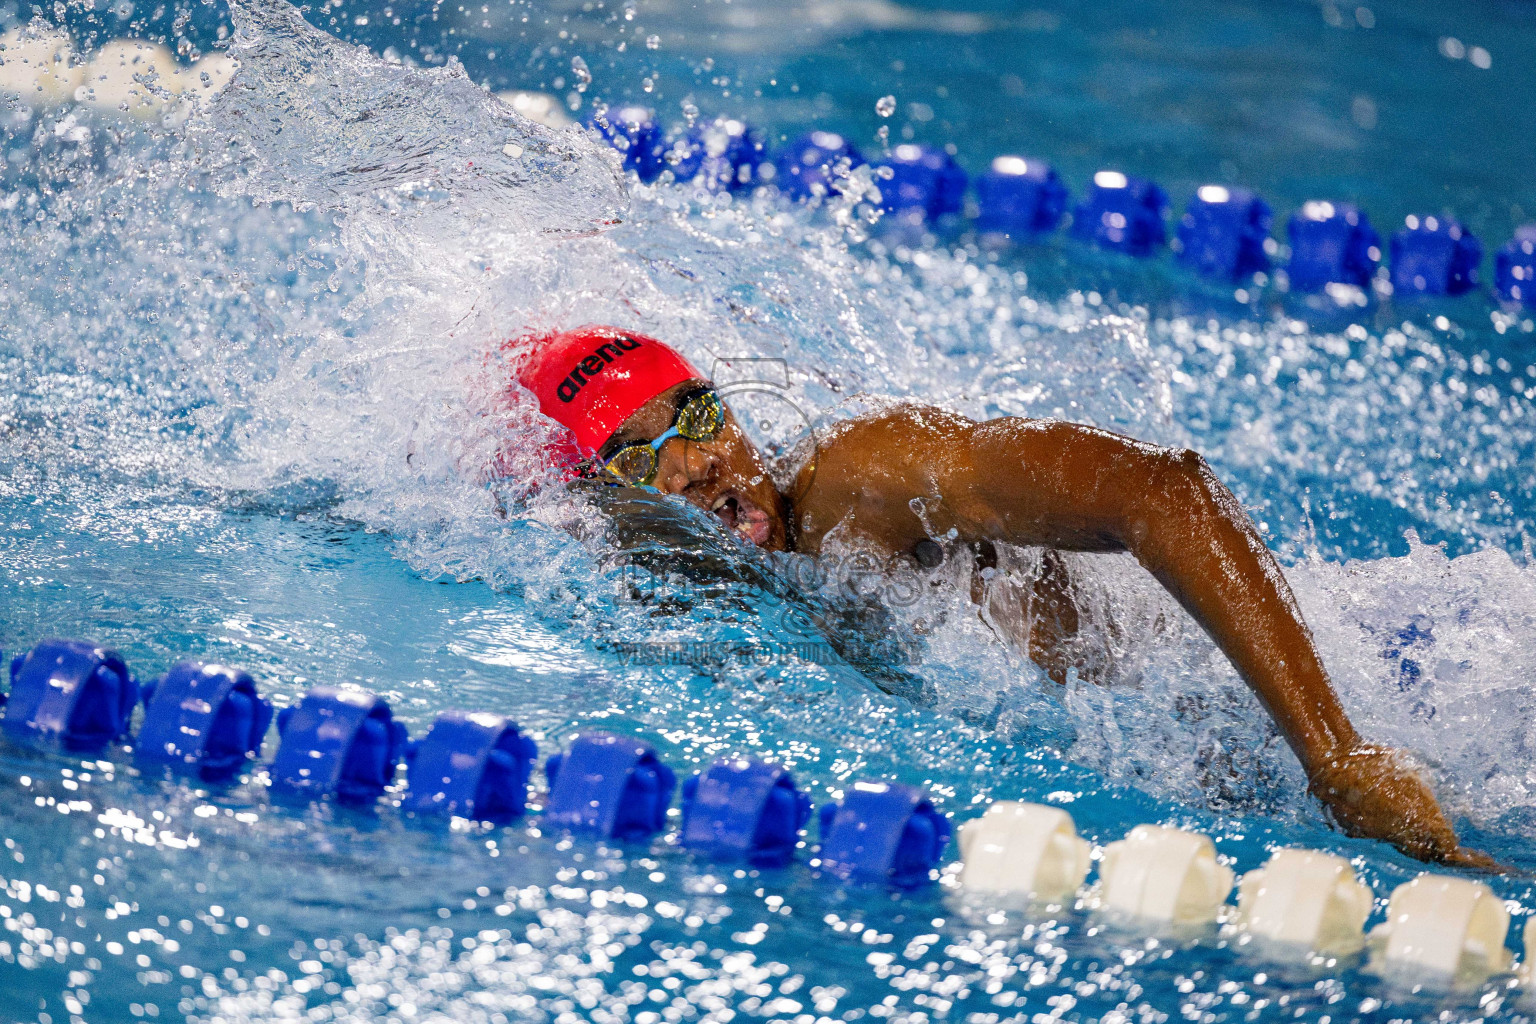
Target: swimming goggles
699 417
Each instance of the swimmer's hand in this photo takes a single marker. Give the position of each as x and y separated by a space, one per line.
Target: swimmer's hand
1374 794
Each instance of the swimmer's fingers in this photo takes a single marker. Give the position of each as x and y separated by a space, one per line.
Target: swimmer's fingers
1462 857
1375 794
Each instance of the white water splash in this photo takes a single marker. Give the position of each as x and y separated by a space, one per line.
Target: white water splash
318 123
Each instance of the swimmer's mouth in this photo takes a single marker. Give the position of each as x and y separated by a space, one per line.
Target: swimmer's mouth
741 517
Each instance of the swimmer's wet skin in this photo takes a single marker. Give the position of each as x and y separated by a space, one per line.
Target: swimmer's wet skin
1040 483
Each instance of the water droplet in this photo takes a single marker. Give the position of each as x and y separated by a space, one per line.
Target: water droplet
652 42
885 106
582 72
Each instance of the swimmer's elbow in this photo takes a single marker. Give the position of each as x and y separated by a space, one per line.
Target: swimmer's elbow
1187 477
1179 499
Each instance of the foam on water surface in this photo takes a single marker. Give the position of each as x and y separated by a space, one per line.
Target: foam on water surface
253 382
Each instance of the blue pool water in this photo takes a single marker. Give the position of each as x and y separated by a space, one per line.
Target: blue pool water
245 402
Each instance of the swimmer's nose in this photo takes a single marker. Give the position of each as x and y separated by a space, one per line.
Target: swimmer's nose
684 465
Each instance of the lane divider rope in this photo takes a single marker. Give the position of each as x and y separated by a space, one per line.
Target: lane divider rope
1223 233
339 743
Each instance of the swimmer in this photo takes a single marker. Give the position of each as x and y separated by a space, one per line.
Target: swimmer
640 415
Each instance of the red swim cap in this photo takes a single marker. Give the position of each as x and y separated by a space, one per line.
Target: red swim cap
593 378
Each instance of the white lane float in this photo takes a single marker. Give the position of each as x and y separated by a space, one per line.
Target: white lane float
536 106
201 81
1527 971
1305 901
132 76
39 65
196 86
1441 928
1024 849
1164 875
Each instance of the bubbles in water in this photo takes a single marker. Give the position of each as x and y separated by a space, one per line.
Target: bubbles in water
581 73
885 106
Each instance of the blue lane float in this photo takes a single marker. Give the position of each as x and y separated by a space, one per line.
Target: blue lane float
470 765
1514 268
1019 196
883 832
337 742
1434 256
202 719
813 164
1223 232
633 131
723 155
608 785
924 184
1331 243
73 693
744 809
1123 213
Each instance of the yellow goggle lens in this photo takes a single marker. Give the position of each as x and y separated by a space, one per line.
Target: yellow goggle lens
701 418
634 464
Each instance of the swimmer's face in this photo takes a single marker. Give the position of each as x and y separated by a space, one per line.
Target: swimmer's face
725 476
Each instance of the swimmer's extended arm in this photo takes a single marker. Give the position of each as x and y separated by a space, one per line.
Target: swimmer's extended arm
1077 488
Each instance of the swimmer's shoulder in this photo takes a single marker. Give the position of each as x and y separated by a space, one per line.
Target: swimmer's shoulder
863 473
